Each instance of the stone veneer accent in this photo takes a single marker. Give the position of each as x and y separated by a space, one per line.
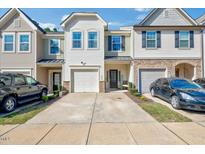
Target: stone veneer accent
102 86
168 64
66 85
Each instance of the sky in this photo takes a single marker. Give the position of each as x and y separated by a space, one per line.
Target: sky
115 17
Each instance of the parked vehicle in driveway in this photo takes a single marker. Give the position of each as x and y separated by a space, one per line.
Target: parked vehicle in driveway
200 81
18 89
180 93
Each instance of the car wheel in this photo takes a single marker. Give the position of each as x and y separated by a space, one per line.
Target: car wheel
152 92
175 102
9 104
44 92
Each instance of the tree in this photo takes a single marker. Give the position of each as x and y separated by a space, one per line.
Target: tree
47 29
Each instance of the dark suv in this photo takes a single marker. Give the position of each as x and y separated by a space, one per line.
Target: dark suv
18 89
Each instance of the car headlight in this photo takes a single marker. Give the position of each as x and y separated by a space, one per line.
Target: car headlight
187 97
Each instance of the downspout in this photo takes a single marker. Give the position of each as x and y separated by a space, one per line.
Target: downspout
202 42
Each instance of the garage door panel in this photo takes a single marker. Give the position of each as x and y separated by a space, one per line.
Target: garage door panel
147 76
86 81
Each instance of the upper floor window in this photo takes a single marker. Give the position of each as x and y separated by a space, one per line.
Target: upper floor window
54 45
151 39
116 43
8 42
24 42
184 39
92 40
77 40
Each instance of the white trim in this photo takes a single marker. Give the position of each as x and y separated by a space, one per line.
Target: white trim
50 78
49 47
139 79
18 43
83 14
82 40
35 53
182 13
22 15
14 42
97 39
155 40
188 39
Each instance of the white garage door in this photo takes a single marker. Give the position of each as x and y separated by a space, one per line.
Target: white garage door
20 71
85 81
147 76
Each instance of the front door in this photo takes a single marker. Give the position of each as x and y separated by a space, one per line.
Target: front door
113 78
56 81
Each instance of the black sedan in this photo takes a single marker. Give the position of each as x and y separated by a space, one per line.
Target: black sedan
181 93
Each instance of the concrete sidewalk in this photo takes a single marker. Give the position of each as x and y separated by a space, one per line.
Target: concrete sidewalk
104 119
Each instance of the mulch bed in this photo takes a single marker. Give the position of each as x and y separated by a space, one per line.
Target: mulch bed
137 99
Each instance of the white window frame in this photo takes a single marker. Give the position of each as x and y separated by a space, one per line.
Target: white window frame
120 44
29 46
49 46
3 42
80 39
188 40
151 39
92 39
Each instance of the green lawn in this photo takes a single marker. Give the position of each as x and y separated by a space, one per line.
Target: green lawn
162 113
22 116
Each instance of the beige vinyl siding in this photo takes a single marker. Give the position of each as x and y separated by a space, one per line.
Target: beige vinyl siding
173 18
46 49
168 50
127 51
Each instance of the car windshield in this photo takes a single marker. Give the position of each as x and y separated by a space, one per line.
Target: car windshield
183 84
5 80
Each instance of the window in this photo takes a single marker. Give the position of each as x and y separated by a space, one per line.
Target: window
24 42
54 46
19 80
184 39
151 39
116 43
8 40
77 40
92 40
30 80
5 80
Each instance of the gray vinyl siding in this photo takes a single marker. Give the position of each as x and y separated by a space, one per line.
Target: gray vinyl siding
173 18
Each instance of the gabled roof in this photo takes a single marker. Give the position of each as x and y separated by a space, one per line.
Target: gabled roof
182 12
73 14
31 22
201 20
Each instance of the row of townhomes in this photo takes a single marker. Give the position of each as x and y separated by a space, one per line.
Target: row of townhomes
88 57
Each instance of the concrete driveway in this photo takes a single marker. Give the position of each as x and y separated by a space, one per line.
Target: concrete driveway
90 118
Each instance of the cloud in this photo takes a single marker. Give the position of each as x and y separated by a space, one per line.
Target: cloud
115 23
48 25
142 9
64 17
